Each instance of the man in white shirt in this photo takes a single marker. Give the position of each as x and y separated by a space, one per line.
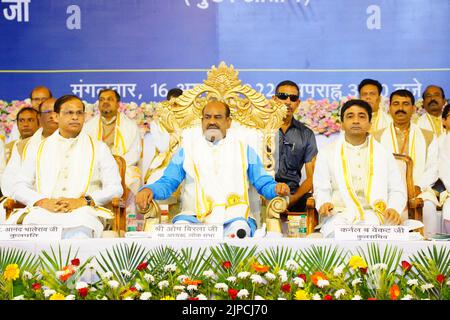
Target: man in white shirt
404 137
444 168
66 180
356 181
433 103
370 91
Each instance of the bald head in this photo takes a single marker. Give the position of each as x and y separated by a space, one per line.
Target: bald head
48 117
39 95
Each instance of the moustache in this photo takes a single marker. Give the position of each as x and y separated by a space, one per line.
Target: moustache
212 126
433 101
400 111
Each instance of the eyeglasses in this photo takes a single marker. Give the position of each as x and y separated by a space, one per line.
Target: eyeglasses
72 113
284 96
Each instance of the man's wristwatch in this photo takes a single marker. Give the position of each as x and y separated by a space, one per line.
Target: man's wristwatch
89 201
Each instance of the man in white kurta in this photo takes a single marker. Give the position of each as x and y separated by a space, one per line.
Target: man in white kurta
217 168
121 135
68 178
370 91
356 181
444 169
433 103
403 137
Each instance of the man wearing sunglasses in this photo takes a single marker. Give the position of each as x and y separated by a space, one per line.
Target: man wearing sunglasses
296 148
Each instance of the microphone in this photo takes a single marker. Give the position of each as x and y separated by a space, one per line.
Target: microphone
241 233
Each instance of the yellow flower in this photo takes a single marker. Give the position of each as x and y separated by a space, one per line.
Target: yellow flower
12 272
357 262
301 295
168 298
57 296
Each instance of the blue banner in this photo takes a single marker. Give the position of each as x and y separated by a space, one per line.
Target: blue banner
145 47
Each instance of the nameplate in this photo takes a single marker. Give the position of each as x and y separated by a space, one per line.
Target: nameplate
371 233
187 231
30 232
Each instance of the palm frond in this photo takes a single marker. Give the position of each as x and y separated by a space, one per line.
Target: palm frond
192 264
275 258
434 257
318 258
25 260
160 257
390 256
122 257
237 256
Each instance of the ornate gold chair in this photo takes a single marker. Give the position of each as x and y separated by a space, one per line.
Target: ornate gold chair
414 204
255 117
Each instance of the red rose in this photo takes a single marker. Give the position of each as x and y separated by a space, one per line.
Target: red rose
83 292
406 266
302 276
192 298
36 286
328 297
133 289
142 266
371 298
286 288
75 262
232 293
440 278
226 265
363 270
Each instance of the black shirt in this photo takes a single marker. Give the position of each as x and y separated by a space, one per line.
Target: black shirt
295 148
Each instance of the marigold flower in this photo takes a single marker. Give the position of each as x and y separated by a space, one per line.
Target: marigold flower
260 268
440 278
75 262
168 298
317 276
394 291
189 282
11 272
57 296
67 272
233 293
356 262
301 295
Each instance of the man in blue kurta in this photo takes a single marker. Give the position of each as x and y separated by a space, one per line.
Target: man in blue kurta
216 167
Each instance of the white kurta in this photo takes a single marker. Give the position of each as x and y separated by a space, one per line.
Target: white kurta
127 144
380 120
68 168
444 173
425 121
425 174
364 180
216 183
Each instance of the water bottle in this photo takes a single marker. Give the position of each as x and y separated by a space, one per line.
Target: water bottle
131 222
302 228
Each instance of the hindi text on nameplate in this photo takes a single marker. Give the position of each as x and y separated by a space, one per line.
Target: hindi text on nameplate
188 231
30 232
361 232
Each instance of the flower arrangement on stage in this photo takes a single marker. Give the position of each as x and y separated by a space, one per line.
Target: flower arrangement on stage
130 272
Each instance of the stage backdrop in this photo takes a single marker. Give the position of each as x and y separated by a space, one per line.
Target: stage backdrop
144 47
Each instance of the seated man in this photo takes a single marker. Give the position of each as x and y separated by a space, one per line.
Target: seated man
357 181
28 124
444 168
296 147
217 167
65 180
